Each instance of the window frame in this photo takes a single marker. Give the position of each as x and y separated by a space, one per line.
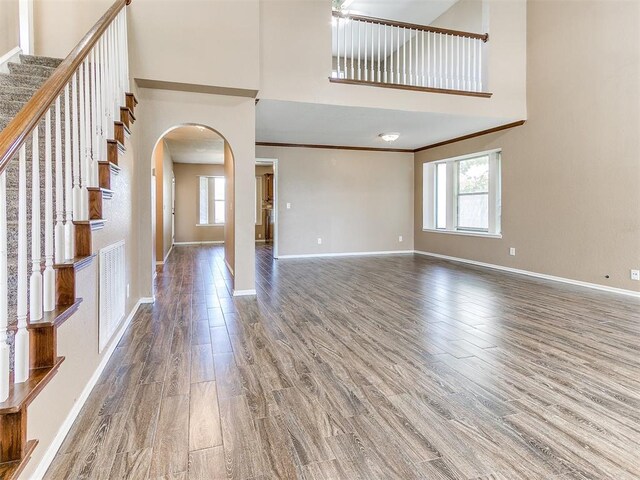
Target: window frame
211 200
431 195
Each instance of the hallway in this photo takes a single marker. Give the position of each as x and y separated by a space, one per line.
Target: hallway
389 367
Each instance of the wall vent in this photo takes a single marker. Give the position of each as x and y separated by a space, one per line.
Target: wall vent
112 293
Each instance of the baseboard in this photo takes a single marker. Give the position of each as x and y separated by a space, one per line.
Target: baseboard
229 267
11 55
147 299
164 260
50 454
346 254
214 242
261 240
244 293
528 273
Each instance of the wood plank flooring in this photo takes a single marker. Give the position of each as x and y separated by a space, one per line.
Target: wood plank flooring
393 367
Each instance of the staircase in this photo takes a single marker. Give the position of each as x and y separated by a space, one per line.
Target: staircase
63 126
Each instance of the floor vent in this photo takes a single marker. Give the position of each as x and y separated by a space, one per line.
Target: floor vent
112 293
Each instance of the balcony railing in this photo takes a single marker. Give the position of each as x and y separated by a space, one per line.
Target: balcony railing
394 54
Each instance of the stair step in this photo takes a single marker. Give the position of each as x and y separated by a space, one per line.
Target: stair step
57 317
45 61
30 70
22 394
16 94
12 470
23 81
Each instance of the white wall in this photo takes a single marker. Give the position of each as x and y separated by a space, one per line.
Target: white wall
356 201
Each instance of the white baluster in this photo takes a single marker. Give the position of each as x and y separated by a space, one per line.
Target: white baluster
379 28
440 70
95 139
480 46
69 245
126 49
49 277
359 66
82 122
21 365
385 78
77 192
366 49
458 83
404 56
344 37
398 78
424 57
4 292
410 58
474 82
59 254
429 67
351 27
391 50
373 54
338 46
35 285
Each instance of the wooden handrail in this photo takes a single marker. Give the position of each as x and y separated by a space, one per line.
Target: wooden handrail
425 28
18 130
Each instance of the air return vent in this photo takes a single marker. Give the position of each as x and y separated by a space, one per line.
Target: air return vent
112 294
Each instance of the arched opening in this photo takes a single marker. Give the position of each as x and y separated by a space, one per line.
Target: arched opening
192 192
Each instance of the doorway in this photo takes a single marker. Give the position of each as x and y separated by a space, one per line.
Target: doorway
266 207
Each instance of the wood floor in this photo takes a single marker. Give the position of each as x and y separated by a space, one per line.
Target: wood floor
395 367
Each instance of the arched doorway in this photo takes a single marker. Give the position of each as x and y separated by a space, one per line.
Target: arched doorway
192 192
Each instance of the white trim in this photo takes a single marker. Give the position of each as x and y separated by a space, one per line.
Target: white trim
8 57
244 293
595 286
55 445
226 262
210 224
467 155
345 254
261 240
25 19
213 242
162 262
467 233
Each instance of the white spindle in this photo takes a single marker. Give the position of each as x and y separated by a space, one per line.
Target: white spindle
424 57
21 364
75 144
48 278
352 29
480 46
95 138
126 50
440 56
429 66
68 181
410 58
404 56
474 82
366 50
4 292
344 45
391 51
373 54
338 47
35 285
359 66
59 227
379 28
398 78
384 70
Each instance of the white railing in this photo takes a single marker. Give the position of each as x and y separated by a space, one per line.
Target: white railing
61 134
374 50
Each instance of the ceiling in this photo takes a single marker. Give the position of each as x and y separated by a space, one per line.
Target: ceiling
318 124
195 144
421 12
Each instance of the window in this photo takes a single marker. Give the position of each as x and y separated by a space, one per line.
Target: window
462 195
211 202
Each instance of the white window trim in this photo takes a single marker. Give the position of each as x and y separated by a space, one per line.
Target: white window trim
429 196
219 224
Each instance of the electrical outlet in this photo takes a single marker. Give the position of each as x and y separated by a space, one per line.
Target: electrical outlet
400 238
635 274
288 206
319 241
259 235
512 252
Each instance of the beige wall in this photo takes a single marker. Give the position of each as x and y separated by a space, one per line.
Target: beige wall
298 69
355 201
163 191
234 119
9 26
78 336
465 15
187 198
571 203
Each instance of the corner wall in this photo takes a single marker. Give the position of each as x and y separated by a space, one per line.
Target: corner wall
164 176
9 26
570 201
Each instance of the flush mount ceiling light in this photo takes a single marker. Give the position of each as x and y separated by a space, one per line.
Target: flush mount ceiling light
200 127
389 137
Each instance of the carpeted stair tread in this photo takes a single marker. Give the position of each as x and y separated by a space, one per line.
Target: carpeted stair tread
45 61
12 80
30 70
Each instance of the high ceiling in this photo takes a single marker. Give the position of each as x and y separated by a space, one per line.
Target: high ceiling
422 12
195 144
318 124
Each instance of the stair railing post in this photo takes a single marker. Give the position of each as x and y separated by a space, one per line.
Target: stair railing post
75 145
21 364
59 235
84 200
49 278
35 283
69 244
4 292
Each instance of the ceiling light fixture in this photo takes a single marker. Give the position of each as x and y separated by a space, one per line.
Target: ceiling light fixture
389 137
200 127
